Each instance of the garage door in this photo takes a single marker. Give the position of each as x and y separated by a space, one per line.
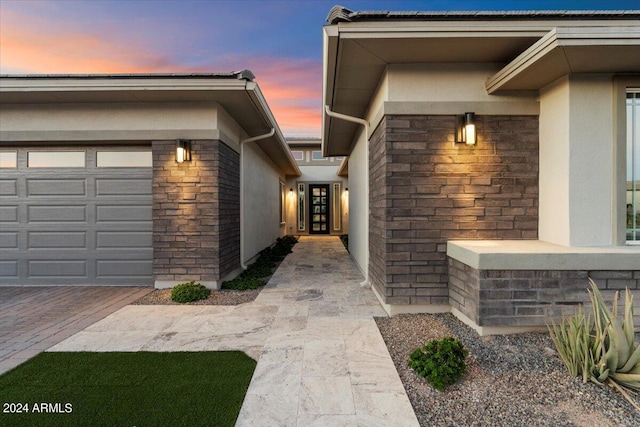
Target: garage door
76 216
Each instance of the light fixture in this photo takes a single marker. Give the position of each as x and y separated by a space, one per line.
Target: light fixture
183 150
466 128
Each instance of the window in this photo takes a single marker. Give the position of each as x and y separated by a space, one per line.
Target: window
337 219
301 207
56 159
282 204
124 159
317 155
633 167
298 155
8 159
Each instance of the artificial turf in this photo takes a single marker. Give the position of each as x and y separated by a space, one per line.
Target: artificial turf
127 389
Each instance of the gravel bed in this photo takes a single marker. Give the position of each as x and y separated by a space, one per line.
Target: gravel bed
511 380
222 297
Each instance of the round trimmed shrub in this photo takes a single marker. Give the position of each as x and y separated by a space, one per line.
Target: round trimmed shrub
188 292
440 362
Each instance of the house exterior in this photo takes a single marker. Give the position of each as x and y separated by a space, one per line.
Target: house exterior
317 199
505 229
137 179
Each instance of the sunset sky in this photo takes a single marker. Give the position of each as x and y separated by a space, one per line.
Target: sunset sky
279 40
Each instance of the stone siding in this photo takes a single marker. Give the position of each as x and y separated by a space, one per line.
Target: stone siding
529 297
196 228
425 190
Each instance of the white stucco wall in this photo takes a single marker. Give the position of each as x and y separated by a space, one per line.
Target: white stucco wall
553 211
261 200
359 203
109 121
577 168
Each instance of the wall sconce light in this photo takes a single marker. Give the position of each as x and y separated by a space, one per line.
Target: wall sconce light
346 190
183 150
291 193
466 128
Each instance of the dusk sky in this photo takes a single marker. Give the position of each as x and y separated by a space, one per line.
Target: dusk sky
279 40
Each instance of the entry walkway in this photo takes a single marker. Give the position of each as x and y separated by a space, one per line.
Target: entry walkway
32 319
321 359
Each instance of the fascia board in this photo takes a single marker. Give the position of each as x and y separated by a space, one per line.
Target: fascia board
263 109
561 38
329 61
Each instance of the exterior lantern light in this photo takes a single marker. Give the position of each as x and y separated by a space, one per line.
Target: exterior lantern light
183 150
466 128
291 193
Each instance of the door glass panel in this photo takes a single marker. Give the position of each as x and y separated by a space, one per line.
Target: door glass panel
337 214
633 168
56 159
8 159
124 159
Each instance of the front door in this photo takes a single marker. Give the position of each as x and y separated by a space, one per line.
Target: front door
319 212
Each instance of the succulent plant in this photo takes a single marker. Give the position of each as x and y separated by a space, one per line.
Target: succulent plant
601 350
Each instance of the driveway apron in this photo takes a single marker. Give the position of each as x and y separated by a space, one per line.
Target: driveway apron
32 319
321 359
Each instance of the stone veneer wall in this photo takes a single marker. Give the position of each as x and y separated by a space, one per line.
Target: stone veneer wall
528 297
425 190
196 212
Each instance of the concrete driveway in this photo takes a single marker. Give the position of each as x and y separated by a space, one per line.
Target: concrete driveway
32 319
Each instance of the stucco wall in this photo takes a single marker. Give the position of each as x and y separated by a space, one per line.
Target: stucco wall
261 200
109 121
359 204
578 170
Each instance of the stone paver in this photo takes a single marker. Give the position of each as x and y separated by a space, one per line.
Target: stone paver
32 319
321 359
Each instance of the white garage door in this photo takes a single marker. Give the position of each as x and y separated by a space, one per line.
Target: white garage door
76 215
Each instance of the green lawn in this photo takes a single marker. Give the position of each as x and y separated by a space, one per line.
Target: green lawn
127 389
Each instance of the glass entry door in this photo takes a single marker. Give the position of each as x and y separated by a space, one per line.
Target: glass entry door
319 209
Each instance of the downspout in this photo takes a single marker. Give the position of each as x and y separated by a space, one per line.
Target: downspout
351 119
366 125
242 232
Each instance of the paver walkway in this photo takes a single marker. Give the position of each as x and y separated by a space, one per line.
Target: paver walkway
32 319
321 359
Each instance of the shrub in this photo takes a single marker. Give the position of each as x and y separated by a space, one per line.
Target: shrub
440 362
189 291
243 283
601 350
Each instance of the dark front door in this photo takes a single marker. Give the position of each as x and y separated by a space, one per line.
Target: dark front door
319 212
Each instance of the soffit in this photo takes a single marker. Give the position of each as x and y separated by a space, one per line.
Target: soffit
571 50
362 58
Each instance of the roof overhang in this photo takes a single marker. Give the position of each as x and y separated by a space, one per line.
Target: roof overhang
235 92
566 50
358 47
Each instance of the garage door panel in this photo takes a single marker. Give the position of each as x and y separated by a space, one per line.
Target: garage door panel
9 213
58 213
123 268
57 268
122 187
123 239
111 213
8 187
9 269
9 240
56 187
57 240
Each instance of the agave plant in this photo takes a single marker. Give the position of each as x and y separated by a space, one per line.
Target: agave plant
603 349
